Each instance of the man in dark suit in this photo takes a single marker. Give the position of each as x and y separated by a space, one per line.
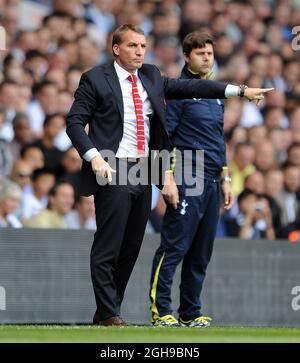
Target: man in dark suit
114 100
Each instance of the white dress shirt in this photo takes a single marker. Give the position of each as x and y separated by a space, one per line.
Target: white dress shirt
128 144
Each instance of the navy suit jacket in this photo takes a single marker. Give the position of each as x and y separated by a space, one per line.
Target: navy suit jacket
99 103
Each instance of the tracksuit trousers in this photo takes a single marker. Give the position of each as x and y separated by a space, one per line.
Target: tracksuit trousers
188 235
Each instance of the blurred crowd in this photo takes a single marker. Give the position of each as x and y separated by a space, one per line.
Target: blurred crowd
49 44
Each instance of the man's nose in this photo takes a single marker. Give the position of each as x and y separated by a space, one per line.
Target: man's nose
139 49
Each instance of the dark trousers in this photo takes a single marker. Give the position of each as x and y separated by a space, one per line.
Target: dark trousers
122 212
187 235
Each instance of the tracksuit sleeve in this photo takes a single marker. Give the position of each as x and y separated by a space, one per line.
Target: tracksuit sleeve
175 89
224 154
173 114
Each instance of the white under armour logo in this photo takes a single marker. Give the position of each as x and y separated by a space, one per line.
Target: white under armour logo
184 204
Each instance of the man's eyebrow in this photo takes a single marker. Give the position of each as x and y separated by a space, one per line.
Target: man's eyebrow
203 51
135 43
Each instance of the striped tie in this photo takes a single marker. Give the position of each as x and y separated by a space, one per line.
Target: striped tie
140 123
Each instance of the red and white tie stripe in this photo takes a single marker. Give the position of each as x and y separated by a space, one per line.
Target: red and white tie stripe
140 122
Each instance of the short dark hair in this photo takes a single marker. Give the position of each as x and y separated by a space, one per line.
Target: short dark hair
294 145
20 116
53 191
7 60
288 165
240 145
121 30
49 118
27 147
38 87
195 40
56 14
33 53
40 172
245 194
57 185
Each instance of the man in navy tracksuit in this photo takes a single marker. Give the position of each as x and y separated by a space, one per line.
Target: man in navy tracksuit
188 231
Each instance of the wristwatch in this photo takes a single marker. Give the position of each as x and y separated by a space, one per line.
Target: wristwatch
226 178
243 88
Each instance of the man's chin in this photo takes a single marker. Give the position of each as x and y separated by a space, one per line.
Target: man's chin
204 71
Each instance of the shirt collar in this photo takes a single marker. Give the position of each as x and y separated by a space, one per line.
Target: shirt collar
122 73
195 74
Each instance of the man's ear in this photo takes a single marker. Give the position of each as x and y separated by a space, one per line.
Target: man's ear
186 58
116 49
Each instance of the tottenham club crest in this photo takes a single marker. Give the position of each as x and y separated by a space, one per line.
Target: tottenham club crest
184 205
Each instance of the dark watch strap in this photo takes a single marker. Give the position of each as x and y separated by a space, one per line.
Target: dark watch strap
243 88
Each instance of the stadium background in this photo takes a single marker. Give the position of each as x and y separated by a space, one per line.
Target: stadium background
50 43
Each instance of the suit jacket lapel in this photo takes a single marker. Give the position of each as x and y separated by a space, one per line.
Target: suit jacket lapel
114 83
150 91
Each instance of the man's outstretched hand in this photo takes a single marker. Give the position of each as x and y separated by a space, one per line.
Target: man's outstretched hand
256 94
